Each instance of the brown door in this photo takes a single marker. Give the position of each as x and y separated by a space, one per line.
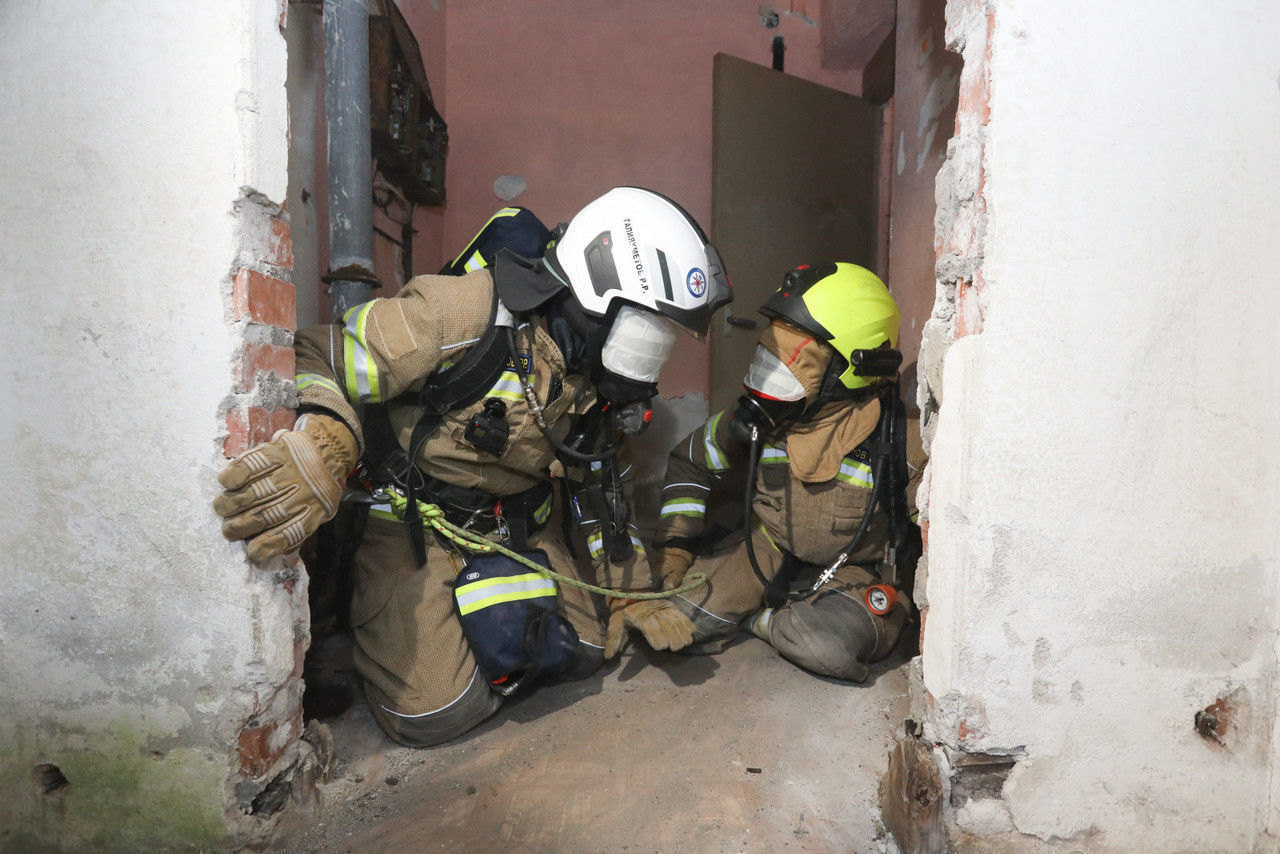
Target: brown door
794 181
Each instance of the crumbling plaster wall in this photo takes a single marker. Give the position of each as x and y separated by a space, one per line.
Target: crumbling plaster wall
1098 385
926 82
146 266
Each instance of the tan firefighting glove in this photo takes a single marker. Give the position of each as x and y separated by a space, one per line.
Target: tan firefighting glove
278 493
663 625
675 563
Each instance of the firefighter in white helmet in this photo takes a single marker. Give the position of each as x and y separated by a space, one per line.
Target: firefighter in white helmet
467 393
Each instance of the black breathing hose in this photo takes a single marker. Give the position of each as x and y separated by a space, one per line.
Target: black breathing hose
536 407
878 474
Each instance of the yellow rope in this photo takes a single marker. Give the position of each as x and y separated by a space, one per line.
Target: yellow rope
433 517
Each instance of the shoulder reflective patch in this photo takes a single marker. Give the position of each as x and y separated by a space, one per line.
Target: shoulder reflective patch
510 588
361 370
714 456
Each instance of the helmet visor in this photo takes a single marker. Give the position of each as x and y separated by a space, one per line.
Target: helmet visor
638 344
768 377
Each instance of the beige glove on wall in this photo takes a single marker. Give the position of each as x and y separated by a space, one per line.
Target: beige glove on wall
663 625
278 493
675 563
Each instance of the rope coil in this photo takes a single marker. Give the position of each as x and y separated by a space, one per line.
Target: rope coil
432 516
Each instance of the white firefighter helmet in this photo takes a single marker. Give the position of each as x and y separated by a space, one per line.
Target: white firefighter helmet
640 247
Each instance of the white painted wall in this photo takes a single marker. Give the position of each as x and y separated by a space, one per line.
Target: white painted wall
132 636
1105 501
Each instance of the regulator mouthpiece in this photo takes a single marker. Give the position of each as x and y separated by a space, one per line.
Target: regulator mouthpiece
766 414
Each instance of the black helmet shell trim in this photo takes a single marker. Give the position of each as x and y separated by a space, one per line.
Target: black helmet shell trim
787 302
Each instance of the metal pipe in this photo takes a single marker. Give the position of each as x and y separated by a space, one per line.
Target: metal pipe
346 104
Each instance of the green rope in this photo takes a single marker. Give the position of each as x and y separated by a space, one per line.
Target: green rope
433 517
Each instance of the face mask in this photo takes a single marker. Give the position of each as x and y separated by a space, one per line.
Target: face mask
633 353
781 381
638 344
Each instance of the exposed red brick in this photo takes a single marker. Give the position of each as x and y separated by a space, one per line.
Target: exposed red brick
975 84
969 319
264 299
256 754
249 426
261 746
262 358
281 245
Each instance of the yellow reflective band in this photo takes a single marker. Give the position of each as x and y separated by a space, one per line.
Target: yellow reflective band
595 544
715 458
684 507
303 381
771 455
514 596
761 529
475 262
508 387
511 588
360 369
543 512
502 214
858 474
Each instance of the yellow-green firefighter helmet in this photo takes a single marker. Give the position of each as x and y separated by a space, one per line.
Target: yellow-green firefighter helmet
846 306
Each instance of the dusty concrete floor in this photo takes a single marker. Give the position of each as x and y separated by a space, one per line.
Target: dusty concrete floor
729 753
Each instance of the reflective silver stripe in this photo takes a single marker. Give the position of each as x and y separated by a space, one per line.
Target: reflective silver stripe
492 591
475 262
362 371
857 474
508 387
684 507
502 214
474 674
715 458
383 511
458 344
595 544
685 483
705 611
306 380
774 455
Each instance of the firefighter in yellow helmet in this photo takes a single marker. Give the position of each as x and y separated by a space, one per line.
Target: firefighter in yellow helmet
817 445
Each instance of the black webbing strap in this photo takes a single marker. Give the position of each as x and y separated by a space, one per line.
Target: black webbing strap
459 387
891 445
